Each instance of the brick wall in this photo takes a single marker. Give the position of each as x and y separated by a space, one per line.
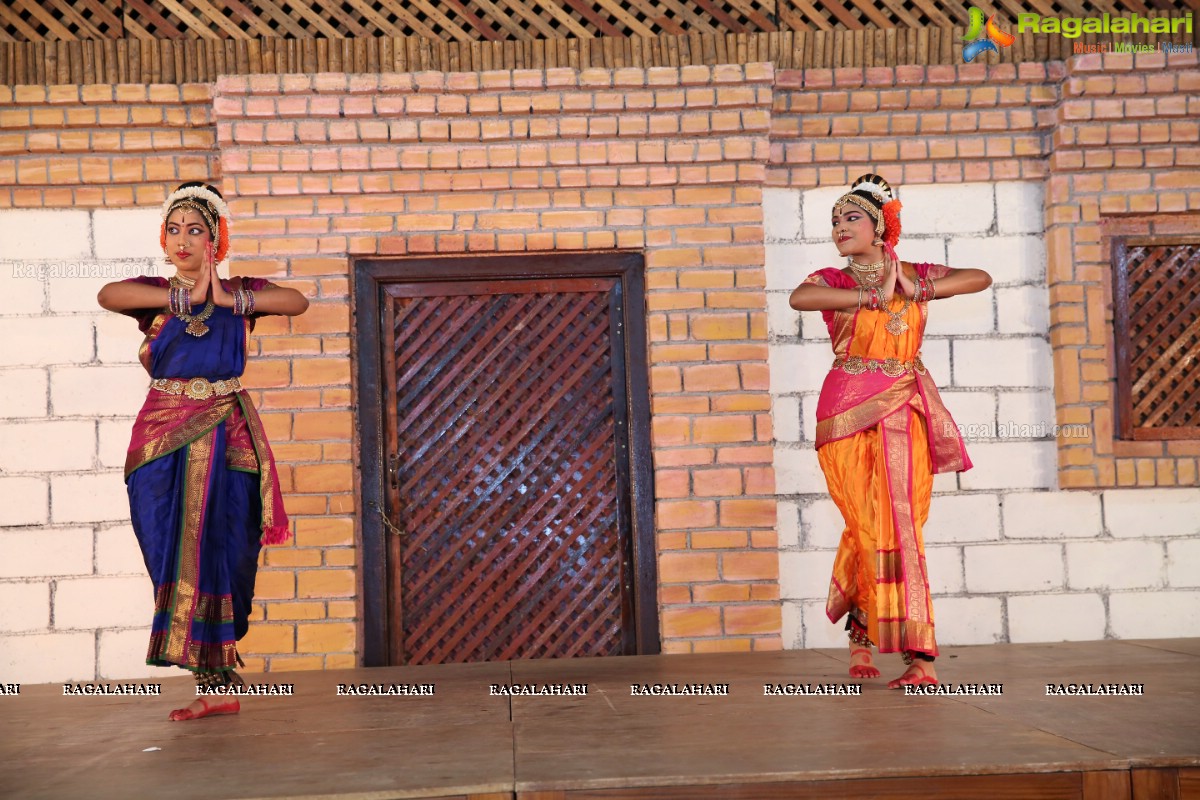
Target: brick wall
666 161
1012 557
1126 159
102 146
670 162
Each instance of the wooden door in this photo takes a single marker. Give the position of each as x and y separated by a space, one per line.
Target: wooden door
507 453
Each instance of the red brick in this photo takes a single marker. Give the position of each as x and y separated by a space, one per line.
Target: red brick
758 619
723 428
717 482
711 378
697 621
686 514
687 567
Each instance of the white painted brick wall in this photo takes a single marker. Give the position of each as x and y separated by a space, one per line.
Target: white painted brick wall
945 568
1019 207
24 607
975 409
24 393
90 497
72 581
926 210
96 391
123 655
1183 562
786 413
1014 361
114 436
30 447
24 501
963 518
1010 260
822 524
787 524
968 620
1116 565
1153 615
117 551
1010 465
45 235
970 313
128 601
998 568
43 552
46 340
48 657
1029 409
1052 515
1139 513
818 630
798 469
1022 309
1055 618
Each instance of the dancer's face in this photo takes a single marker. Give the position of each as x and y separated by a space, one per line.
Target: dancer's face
853 231
187 238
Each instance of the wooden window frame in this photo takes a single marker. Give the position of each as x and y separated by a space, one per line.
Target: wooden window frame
1123 411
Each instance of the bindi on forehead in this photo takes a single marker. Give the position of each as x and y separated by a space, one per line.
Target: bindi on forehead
187 216
847 214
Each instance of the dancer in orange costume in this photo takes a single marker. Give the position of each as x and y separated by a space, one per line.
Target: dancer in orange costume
882 431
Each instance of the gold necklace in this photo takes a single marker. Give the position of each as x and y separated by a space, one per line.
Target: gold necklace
896 324
195 322
180 280
867 274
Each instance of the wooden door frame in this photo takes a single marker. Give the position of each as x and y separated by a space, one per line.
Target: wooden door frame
369 275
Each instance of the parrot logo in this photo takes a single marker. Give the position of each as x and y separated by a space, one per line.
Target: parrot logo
994 36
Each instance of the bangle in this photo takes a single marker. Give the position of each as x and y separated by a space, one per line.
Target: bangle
932 287
243 302
179 300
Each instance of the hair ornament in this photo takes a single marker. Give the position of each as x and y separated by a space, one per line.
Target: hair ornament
196 193
891 222
204 200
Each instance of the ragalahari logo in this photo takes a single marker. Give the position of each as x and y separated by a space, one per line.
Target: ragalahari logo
992 36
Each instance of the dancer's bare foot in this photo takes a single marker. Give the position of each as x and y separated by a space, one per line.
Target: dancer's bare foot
919 673
860 663
204 707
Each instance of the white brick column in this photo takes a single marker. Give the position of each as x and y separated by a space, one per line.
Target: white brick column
71 579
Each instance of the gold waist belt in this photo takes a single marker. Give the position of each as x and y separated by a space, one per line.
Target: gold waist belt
197 388
892 367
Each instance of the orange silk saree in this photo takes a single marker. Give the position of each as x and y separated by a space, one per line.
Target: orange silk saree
882 433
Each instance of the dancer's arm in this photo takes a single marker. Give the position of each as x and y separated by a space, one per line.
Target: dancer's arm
816 297
961 281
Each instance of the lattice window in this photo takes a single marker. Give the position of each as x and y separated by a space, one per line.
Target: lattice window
464 21
496 20
1157 321
42 20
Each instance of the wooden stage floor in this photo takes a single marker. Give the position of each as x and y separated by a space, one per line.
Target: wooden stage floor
464 742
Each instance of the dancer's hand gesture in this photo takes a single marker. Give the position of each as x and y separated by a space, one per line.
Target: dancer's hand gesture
199 293
891 274
907 287
219 296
